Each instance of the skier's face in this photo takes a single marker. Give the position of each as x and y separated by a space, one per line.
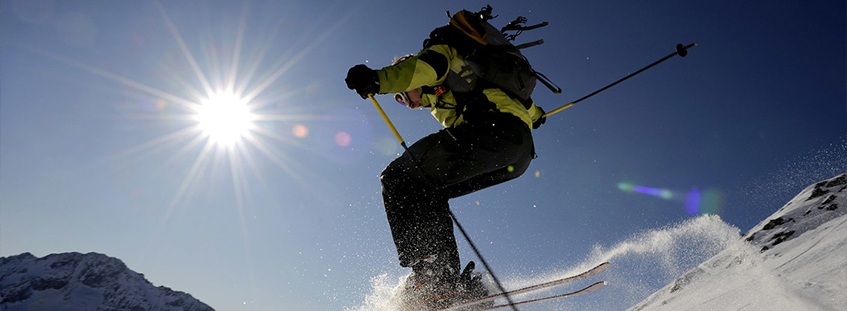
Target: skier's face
414 99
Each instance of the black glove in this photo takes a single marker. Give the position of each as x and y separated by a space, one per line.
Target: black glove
540 121
362 79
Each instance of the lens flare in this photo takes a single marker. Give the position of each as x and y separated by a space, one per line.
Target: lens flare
656 192
692 201
343 139
711 202
161 104
695 201
300 131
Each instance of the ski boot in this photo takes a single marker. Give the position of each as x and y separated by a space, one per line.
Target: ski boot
432 284
470 287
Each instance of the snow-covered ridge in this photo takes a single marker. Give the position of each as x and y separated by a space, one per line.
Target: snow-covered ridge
796 259
811 208
75 281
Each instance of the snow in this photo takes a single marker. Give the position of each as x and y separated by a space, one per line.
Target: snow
795 259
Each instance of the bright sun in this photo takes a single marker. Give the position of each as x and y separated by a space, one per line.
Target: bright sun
225 118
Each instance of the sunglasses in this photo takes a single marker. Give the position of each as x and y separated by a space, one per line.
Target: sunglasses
402 98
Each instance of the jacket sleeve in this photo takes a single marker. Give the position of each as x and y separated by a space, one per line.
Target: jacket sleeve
535 112
427 68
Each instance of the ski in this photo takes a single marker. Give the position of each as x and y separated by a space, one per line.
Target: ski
587 274
586 290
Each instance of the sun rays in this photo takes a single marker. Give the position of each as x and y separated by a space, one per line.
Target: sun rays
228 99
206 116
226 108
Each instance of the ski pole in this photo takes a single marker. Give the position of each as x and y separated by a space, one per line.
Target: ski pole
388 121
681 50
497 282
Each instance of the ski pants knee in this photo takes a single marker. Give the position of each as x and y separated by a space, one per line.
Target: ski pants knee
445 165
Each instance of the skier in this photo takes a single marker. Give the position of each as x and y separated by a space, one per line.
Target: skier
486 141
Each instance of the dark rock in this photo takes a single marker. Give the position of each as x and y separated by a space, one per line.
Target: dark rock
64 261
818 192
19 292
781 237
44 283
676 287
840 180
776 222
686 279
829 199
176 303
749 239
101 271
820 188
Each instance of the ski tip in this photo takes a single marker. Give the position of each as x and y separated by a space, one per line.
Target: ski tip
594 287
598 285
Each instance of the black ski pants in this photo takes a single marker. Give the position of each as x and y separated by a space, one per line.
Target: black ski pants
445 165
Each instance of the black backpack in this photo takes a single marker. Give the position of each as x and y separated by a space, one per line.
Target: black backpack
490 54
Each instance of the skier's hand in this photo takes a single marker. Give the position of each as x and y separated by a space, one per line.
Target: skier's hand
540 120
362 79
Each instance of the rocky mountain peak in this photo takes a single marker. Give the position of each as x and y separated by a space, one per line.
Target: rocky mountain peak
76 281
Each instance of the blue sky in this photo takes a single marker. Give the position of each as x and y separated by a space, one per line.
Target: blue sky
100 151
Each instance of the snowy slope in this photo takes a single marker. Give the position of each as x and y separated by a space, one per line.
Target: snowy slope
74 281
794 260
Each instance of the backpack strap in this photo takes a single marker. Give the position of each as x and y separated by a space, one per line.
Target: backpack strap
548 83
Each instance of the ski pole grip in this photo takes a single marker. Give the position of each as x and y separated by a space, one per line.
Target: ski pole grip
682 50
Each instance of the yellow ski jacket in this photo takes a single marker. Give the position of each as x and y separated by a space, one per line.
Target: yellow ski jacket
430 68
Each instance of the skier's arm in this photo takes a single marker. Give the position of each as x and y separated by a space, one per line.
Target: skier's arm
428 68
537 115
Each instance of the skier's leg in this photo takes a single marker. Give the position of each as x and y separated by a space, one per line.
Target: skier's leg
417 213
445 165
487 179
499 152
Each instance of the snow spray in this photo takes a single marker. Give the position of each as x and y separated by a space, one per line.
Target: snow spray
384 295
641 265
781 185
